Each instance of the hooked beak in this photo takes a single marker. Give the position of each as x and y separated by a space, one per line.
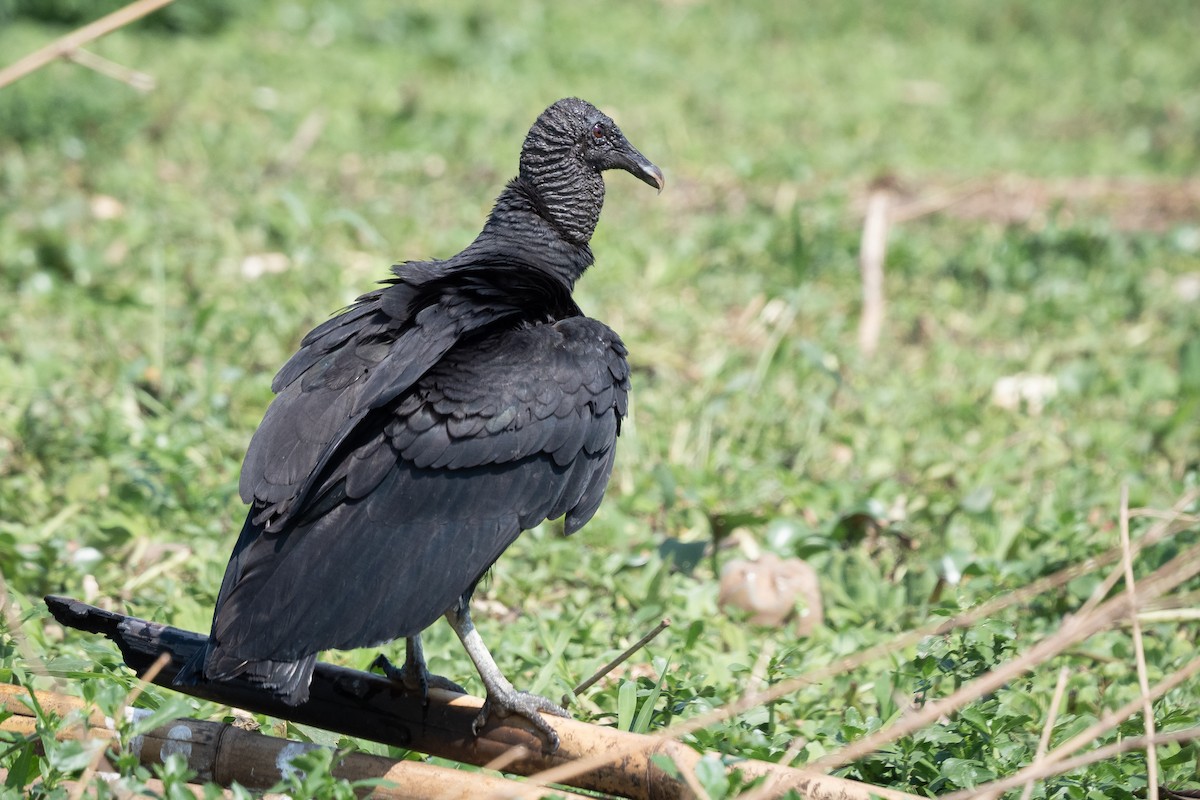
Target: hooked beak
640 167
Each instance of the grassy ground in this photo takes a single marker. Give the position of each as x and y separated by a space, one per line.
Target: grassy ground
137 343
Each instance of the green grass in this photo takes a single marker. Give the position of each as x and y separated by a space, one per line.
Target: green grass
136 357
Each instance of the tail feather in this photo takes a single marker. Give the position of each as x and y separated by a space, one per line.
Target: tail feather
286 680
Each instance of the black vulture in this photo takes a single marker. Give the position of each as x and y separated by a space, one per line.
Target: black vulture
418 432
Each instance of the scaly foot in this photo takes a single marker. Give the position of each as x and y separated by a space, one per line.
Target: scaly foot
504 702
414 676
501 696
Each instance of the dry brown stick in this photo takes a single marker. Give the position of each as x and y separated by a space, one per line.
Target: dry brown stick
1112 719
1139 649
1073 630
78 38
223 754
619 660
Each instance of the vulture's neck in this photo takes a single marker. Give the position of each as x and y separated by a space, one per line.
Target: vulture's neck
524 229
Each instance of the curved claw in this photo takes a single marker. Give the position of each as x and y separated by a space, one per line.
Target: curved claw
416 680
527 705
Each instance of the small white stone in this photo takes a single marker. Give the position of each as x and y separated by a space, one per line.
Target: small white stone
1028 389
256 265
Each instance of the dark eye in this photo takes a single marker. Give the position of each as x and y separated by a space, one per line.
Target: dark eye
599 131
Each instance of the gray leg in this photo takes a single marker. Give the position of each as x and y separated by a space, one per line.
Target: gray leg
414 676
501 696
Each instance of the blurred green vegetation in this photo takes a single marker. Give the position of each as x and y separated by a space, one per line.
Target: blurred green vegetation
162 254
188 16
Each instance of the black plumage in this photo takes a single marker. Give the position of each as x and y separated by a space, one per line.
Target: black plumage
417 433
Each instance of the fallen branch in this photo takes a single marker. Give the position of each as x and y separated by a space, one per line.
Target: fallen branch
78 38
372 707
225 754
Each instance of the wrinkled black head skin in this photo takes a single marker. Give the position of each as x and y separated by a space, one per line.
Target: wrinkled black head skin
567 149
573 131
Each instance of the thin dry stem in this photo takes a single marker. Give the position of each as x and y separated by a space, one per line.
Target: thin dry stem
509 756
85 779
1168 525
946 199
693 784
758 673
33 661
1139 649
1158 513
619 660
1073 630
783 688
771 785
301 142
78 38
1170 615
1106 722
1050 768
872 252
1060 689
110 69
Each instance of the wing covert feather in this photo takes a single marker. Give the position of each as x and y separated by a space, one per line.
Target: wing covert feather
412 440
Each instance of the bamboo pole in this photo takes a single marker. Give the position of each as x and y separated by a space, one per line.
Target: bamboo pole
372 707
223 754
78 38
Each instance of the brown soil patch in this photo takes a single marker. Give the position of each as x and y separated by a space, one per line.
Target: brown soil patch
1129 204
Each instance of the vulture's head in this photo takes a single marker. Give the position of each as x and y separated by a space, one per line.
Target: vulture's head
568 147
